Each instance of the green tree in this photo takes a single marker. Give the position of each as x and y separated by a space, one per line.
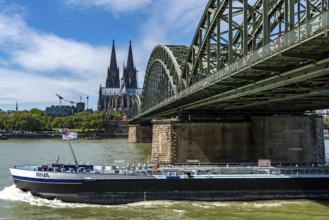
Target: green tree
36 120
325 123
3 120
56 122
98 120
33 120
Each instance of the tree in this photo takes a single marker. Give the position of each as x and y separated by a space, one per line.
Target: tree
98 120
325 123
3 120
56 122
37 120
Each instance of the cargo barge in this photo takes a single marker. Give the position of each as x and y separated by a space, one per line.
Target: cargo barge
115 184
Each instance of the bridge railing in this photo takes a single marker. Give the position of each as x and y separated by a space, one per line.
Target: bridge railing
289 39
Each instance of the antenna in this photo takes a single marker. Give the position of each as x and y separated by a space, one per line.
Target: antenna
87 101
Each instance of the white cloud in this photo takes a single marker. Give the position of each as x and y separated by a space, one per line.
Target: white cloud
51 53
28 87
183 17
177 19
41 52
112 5
12 30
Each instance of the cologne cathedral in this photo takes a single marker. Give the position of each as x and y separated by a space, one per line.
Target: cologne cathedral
120 95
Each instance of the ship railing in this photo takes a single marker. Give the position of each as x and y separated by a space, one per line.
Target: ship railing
300 164
203 164
246 164
202 171
27 167
305 171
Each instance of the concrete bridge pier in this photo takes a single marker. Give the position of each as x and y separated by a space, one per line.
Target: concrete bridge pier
285 139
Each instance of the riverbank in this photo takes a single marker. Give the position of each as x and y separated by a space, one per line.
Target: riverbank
87 135
113 129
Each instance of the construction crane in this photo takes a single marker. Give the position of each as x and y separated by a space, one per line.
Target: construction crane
60 99
69 101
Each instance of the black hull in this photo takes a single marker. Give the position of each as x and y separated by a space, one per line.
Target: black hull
221 189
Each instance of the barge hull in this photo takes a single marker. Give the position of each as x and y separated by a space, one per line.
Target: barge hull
118 191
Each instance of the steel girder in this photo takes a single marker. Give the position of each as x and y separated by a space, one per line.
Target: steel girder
231 29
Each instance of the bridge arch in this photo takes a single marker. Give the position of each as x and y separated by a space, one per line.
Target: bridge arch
163 77
136 105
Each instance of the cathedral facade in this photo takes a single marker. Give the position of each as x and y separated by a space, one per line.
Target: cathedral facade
119 96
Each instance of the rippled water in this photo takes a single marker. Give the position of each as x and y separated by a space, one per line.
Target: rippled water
15 204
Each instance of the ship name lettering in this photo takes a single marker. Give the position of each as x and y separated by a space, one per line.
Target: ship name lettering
42 175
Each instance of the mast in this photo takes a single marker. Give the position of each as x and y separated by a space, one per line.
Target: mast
73 154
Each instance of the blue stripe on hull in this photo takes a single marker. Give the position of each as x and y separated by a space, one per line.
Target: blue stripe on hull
29 179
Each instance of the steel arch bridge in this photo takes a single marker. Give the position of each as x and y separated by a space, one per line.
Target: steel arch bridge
247 56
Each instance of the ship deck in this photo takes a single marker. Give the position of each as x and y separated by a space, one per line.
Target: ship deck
186 170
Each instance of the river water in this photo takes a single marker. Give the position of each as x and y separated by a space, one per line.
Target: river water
15 204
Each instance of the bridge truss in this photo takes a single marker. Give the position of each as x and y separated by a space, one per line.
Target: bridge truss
269 56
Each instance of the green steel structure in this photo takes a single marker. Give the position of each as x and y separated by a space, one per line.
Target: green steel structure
246 57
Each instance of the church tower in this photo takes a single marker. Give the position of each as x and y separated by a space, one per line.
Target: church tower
130 72
113 79
114 98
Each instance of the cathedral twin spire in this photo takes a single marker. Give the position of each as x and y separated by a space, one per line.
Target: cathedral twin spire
129 71
130 62
112 80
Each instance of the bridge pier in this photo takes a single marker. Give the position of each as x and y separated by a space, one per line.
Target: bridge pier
290 139
140 134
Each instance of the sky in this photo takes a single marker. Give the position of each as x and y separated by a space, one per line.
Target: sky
63 47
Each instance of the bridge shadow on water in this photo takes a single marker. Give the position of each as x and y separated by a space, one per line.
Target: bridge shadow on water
322 202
